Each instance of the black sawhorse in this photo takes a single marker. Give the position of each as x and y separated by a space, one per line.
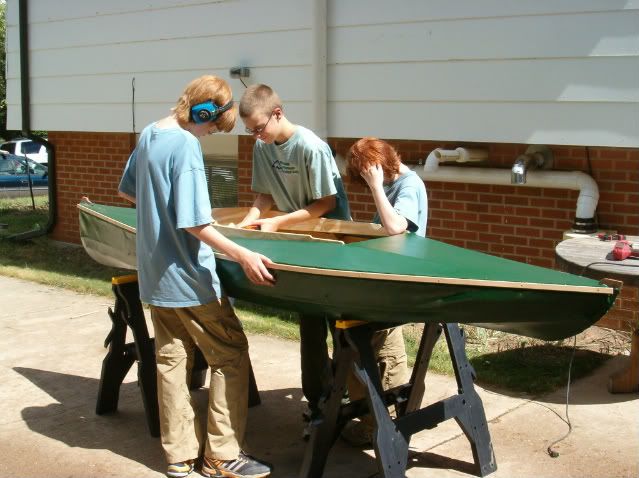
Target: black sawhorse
352 348
128 312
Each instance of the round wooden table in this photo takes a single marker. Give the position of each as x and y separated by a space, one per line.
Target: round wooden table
592 257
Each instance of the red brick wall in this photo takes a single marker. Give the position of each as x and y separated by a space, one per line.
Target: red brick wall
87 164
625 313
519 223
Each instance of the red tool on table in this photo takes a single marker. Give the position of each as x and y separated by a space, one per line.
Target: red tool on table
624 249
611 237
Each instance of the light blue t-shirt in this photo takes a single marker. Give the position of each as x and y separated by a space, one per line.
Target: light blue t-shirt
165 174
298 172
407 195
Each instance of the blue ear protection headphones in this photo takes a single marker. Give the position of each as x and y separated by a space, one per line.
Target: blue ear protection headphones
208 111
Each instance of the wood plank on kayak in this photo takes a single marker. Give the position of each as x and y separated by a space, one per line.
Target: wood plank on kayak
233 215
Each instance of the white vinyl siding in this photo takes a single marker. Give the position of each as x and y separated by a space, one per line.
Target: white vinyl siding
544 71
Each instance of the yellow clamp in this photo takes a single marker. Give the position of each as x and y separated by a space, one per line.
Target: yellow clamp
124 279
349 324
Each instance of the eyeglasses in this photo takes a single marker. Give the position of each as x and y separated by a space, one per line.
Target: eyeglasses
258 131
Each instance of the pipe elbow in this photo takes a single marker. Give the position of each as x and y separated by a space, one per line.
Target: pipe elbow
432 161
588 196
519 169
587 185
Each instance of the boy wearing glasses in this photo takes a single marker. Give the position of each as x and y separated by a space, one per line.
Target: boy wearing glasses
294 172
165 178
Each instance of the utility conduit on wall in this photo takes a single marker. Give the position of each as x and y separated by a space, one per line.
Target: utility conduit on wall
574 180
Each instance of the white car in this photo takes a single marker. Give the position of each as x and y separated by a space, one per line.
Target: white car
25 147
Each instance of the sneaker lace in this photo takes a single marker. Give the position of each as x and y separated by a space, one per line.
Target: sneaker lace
243 453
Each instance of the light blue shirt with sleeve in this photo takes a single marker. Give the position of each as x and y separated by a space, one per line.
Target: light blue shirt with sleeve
165 174
407 195
298 172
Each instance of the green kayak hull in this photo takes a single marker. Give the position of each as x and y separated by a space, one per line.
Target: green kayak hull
398 279
547 315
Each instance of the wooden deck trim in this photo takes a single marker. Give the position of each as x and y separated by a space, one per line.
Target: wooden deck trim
226 215
432 280
395 277
233 233
121 225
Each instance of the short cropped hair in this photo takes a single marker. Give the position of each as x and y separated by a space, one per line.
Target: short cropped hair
369 151
259 99
200 90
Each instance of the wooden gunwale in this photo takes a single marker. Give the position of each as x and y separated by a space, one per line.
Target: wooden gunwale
394 277
105 218
430 279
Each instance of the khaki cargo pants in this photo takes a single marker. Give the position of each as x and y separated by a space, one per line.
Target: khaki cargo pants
218 333
390 352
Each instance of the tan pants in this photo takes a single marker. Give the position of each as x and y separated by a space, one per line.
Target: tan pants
218 333
390 352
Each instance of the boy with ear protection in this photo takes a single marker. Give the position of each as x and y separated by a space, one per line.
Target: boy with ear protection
294 171
165 178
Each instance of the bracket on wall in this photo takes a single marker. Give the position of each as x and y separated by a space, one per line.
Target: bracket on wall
240 72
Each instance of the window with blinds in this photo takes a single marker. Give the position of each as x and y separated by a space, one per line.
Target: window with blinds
221 176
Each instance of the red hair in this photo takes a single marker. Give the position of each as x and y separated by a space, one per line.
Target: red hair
367 152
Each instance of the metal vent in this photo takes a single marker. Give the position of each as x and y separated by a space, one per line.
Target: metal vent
221 176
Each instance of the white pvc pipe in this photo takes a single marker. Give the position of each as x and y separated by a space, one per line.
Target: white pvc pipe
318 69
460 155
575 180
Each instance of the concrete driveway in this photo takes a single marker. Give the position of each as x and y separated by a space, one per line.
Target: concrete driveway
51 350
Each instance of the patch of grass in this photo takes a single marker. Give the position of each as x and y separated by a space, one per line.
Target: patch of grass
19 216
535 369
503 360
439 360
259 319
46 262
43 260
508 361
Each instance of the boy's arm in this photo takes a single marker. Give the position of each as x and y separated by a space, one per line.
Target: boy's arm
127 186
126 196
263 203
393 222
254 264
315 209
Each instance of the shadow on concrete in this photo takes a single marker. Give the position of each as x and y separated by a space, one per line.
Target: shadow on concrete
273 434
74 422
277 428
433 461
548 366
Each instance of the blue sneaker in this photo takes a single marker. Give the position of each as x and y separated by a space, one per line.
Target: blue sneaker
244 466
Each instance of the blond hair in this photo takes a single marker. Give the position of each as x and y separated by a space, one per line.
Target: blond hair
200 90
259 99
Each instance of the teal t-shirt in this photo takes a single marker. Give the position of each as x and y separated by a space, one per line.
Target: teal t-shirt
298 172
165 174
407 195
